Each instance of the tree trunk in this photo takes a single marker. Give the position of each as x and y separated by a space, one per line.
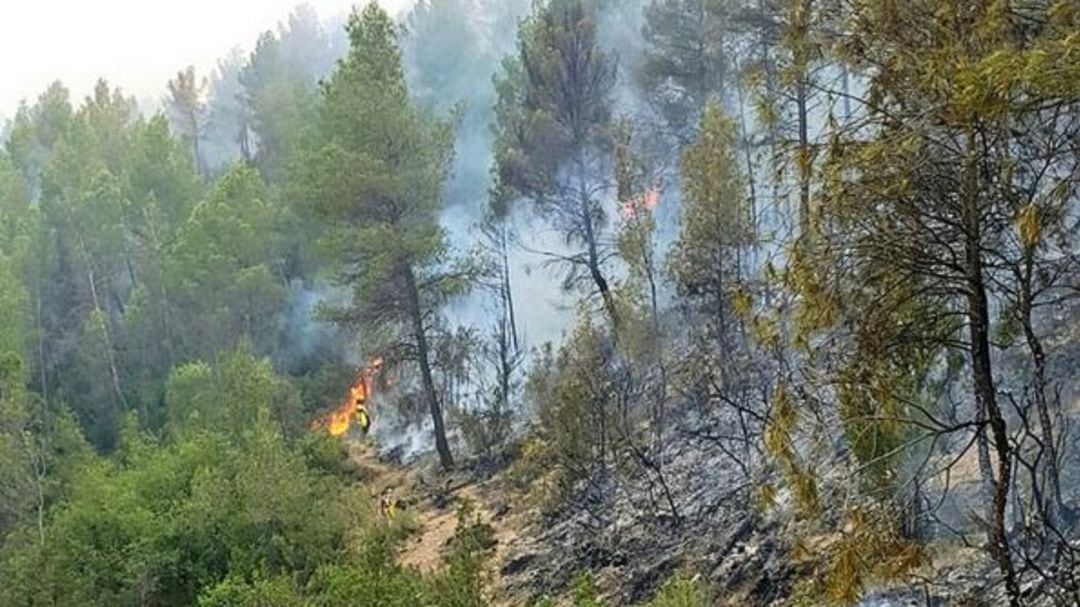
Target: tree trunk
428 382
196 129
751 173
508 293
593 253
1054 505
99 312
983 379
803 156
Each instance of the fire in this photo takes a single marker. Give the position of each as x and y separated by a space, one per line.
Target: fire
338 421
647 201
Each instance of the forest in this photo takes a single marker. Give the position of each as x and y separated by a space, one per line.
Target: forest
668 303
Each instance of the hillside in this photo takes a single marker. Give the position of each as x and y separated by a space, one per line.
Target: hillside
590 303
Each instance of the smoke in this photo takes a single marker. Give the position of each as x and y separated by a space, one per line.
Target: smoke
249 90
399 439
452 50
304 339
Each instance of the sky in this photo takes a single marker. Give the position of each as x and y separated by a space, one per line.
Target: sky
137 45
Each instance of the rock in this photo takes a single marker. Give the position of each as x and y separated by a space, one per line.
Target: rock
518 564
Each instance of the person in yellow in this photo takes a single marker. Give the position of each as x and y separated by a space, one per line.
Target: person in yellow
363 419
387 504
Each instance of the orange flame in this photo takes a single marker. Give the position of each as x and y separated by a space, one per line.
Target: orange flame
338 421
647 201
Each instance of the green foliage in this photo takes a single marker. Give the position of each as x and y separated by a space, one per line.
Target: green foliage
717 220
548 118
461 584
576 415
583 591
225 252
228 498
18 452
126 273
708 261
230 397
553 123
145 296
278 92
485 431
682 590
371 579
276 592
374 179
865 553
896 274
365 587
685 61
531 472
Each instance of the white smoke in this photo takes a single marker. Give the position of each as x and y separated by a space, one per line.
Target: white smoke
397 438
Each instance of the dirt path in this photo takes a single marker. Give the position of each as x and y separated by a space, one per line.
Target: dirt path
424 551
437 527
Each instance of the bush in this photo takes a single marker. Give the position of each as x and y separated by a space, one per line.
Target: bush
584 591
535 474
461 584
486 431
682 590
276 592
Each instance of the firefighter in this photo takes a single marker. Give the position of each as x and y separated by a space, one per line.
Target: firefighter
387 504
363 419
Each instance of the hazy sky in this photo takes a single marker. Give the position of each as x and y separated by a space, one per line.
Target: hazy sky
137 45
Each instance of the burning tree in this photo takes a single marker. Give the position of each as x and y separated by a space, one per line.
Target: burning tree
374 184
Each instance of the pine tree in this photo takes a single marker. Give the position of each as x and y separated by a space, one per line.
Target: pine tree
915 223
687 59
374 181
554 119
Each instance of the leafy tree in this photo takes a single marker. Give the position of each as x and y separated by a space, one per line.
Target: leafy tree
82 204
554 141
221 269
160 191
708 259
21 489
920 203
162 522
276 592
374 181
14 208
688 59
228 132
575 405
279 89
36 130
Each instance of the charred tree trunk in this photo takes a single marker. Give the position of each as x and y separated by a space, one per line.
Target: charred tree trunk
1054 506
424 360
508 293
592 247
978 314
